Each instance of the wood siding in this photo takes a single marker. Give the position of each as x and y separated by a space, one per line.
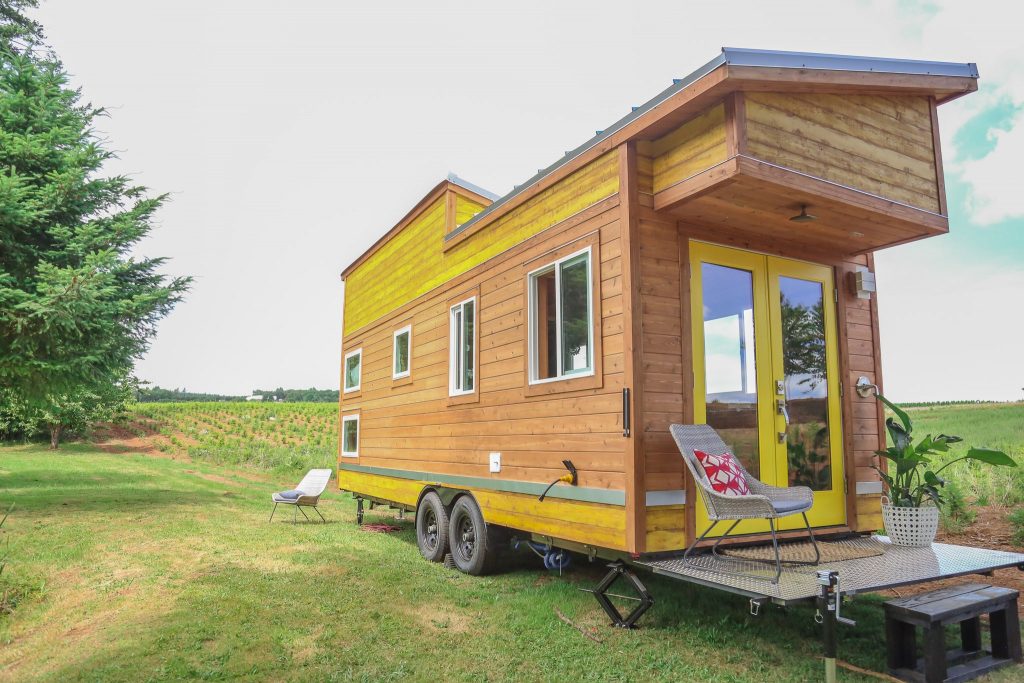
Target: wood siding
883 145
862 417
417 260
417 427
696 145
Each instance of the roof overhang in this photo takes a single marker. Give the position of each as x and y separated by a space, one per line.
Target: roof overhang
743 69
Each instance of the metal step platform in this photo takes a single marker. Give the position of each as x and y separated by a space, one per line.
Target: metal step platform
896 566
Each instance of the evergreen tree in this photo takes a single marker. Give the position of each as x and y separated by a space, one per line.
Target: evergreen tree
76 307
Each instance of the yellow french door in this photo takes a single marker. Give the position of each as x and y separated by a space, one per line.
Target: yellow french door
766 373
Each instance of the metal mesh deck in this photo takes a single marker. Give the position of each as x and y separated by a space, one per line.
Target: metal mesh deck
897 566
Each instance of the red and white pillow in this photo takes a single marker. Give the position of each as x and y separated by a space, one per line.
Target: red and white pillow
723 473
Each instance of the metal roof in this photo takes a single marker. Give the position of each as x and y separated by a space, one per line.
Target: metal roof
741 57
452 178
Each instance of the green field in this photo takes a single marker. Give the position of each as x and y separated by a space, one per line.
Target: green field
142 567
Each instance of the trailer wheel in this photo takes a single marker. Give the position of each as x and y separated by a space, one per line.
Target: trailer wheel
474 545
432 527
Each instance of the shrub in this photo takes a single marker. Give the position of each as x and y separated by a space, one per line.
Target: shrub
1016 519
957 513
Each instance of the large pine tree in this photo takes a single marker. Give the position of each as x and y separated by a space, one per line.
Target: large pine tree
76 307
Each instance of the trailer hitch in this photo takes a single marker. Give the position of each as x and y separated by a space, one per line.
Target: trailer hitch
829 601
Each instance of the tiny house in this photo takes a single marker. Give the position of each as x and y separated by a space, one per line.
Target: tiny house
708 258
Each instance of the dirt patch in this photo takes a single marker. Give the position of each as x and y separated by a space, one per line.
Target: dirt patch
136 437
432 619
305 648
214 477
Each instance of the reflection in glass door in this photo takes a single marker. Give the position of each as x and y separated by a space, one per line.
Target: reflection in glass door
804 385
803 321
766 370
730 359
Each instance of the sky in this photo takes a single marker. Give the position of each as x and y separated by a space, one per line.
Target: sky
290 136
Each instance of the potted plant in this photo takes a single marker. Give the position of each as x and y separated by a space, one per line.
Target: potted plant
913 485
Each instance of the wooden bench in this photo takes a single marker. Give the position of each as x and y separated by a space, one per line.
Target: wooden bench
933 611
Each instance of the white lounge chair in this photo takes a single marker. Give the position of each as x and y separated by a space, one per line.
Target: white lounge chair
306 494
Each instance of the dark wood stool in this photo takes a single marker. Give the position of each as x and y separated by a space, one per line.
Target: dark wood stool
933 611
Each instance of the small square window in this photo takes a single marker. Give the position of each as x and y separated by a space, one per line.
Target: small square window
350 436
402 353
353 370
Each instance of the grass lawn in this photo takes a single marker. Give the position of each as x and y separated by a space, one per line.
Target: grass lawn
133 567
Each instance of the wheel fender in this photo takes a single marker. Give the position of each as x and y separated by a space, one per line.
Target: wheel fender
447 495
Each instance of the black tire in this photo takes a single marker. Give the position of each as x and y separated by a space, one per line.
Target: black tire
474 545
432 527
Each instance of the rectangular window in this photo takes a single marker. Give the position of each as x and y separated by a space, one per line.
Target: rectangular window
462 355
353 370
403 351
562 319
350 436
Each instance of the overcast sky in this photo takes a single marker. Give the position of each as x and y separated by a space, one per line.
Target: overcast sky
292 135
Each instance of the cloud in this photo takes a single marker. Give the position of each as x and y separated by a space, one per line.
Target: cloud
994 179
951 332
986 32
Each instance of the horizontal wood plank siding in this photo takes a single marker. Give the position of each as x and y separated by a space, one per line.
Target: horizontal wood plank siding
415 261
863 430
693 147
415 426
878 144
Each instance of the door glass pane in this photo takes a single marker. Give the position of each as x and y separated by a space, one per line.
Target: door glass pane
803 362
730 371
575 315
468 339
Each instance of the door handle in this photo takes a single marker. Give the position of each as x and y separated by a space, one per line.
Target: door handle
780 408
780 404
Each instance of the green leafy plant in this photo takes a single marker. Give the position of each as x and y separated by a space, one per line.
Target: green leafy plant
910 479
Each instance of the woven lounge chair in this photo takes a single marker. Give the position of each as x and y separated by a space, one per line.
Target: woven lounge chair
306 494
763 501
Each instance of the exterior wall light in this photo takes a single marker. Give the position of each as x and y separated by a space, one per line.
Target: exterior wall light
863 282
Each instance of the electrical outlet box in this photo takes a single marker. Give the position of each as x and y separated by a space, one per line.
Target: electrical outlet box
495 462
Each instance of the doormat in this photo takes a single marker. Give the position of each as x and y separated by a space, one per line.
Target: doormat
803 551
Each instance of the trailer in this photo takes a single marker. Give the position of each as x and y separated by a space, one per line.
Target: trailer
708 258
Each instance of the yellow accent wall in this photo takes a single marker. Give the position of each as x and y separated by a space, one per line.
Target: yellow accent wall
466 208
602 526
414 262
693 147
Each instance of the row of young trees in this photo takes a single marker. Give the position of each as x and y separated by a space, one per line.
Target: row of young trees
158 394
77 307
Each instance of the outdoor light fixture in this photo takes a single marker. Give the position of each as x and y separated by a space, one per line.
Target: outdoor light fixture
865 387
862 282
803 216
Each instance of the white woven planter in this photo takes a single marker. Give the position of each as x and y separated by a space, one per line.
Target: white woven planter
915 527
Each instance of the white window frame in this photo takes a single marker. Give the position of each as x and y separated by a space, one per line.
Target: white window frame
344 371
455 348
560 376
353 417
394 353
